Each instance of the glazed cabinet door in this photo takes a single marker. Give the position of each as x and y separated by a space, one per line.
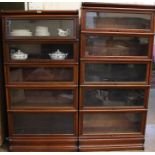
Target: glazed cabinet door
42 74
112 46
117 20
41 52
37 123
103 97
42 98
103 123
39 27
102 72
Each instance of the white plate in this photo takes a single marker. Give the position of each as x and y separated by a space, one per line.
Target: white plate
21 31
21 34
42 34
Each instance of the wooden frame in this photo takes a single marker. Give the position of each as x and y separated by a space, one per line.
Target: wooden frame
3 129
2 119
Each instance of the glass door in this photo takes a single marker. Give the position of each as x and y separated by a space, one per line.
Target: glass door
112 20
59 28
111 123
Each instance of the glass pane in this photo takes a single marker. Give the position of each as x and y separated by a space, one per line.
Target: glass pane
116 46
113 97
43 97
107 20
107 123
98 72
41 74
43 123
41 28
41 51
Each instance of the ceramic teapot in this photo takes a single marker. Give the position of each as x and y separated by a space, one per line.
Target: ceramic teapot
58 55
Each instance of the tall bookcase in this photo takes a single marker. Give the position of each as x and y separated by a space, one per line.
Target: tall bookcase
41 75
115 66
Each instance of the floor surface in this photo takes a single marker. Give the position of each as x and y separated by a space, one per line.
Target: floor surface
150 128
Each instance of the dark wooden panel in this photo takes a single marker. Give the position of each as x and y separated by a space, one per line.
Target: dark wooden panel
43 148
112 148
43 144
111 144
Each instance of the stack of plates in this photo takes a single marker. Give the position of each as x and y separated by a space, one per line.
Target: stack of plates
21 32
42 31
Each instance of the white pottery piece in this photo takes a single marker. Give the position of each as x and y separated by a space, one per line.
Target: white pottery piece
58 55
19 55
